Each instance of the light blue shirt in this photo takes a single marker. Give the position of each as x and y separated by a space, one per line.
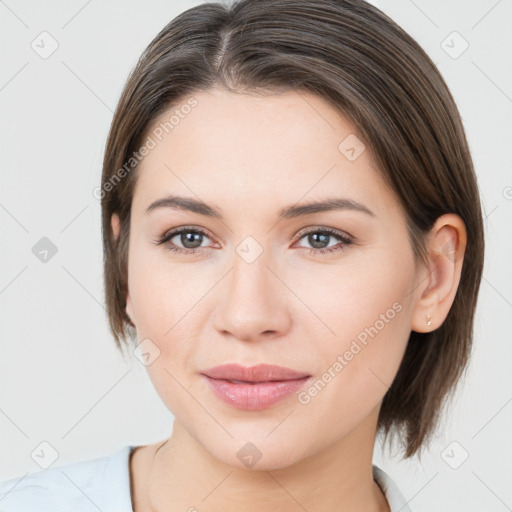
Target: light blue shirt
103 484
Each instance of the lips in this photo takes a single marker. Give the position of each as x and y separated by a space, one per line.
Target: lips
254 374
254 388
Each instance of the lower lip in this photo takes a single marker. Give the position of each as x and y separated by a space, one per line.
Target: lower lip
254 397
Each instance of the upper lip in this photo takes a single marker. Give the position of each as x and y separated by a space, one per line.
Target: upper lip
258 373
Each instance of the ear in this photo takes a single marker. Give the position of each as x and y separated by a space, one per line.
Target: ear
438 284
115 224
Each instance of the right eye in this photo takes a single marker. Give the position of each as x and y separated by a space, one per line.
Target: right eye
185 236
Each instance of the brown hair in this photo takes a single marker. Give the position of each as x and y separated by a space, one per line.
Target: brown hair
357 58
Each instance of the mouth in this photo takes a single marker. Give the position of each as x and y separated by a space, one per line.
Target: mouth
255 388
234 381
260 373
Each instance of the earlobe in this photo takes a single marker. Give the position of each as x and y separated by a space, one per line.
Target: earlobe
446 247
115 224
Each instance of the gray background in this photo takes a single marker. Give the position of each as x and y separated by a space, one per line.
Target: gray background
62 381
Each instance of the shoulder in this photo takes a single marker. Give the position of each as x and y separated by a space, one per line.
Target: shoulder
396 500
96 484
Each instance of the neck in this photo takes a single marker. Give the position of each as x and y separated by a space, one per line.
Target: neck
181 475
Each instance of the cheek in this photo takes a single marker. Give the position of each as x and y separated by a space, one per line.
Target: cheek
359 366
364 307
365 289
166 300
164 294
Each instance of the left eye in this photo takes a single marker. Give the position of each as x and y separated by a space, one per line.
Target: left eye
193 237
320 236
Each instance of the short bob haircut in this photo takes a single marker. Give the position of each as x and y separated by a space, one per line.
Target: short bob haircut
358 59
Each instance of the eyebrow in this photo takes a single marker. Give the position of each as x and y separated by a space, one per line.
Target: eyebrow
289 212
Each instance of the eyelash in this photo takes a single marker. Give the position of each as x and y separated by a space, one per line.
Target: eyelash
345 240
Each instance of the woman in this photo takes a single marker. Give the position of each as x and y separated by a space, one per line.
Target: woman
293 244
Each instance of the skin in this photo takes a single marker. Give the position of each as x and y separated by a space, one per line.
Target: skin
250 156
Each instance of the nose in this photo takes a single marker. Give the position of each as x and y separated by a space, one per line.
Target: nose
254 302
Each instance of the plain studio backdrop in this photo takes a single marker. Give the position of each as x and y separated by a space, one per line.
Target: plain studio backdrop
64 387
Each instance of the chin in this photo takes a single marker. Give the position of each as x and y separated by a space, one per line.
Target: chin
256 453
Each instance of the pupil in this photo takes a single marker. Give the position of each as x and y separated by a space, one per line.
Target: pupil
191 237
315 236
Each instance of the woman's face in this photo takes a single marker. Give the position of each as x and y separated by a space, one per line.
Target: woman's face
256 287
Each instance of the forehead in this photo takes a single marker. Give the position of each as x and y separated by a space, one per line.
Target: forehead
252 149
